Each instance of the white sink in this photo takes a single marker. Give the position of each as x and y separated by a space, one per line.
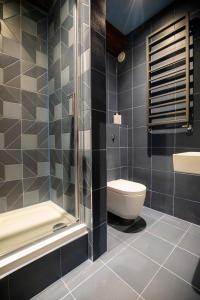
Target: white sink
187 162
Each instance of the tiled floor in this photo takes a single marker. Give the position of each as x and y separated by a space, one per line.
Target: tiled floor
160 263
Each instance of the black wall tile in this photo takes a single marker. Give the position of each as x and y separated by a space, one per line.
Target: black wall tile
98 52
125 81
162 202
141 158
113 158
124 156
74 254
112 83
98 129
142 176
99 169
99 204
33 278
111 65
113 174
162 159
99 240
139 54
141 137
124 173
139 75
163 182
98 90
112 102
139 96
163 138
147 201
187 210
4 288
112 135
188 141
139 116
125 100
123 137
187 186
126 117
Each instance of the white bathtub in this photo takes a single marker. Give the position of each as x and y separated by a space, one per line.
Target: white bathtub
27 234
25 225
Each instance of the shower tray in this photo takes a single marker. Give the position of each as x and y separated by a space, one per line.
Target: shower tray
26 225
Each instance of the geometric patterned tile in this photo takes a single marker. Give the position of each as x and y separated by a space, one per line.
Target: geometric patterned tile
9 158
11 72
39 131
56 190
36 186
31 102
35 163
10 130
12 192
6 60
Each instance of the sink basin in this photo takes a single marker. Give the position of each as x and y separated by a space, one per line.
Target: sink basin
187 162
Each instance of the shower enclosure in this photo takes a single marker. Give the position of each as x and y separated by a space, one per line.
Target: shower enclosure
39 121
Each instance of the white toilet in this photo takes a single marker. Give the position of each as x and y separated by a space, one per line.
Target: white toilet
125 198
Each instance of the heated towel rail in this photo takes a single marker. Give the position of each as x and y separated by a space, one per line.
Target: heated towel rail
168 74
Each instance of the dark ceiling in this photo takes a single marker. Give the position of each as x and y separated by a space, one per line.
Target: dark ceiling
42 4
129 14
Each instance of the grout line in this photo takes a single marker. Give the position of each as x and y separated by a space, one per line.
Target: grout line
116 254
196 255
85 279
121 279
162 265
68 289
164 240
173 225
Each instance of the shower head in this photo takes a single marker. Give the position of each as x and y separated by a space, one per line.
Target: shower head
121 57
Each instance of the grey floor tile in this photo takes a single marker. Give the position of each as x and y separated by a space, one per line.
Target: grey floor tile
185 265
80 273
68 297
181 224
134 268
149 220
166 286
153 247
114 246
55 291
123 236
104 285
130 237
152 212
191 240
167 232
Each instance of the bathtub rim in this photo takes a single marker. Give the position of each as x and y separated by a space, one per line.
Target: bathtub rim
28 254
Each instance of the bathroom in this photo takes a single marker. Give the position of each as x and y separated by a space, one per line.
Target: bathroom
99 190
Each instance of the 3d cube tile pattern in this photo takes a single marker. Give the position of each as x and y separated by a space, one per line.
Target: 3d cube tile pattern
36 105
61 39
23 106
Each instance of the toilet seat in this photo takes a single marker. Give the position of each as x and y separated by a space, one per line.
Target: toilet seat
124 186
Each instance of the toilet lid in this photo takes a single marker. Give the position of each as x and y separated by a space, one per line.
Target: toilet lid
126 186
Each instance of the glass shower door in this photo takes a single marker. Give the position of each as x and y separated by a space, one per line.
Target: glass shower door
38 121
